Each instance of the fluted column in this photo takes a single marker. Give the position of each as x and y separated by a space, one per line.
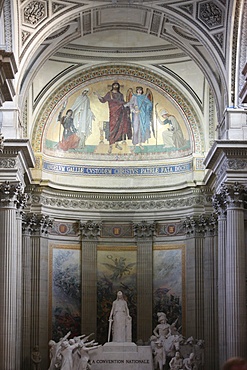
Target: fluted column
89 233
144 236
26 293
39 225
210 302
236 272
11 199
195 277
220 208
19 270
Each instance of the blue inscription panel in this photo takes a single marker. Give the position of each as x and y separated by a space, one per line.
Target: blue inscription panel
118 170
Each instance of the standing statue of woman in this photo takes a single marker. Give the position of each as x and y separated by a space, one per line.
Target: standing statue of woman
120 320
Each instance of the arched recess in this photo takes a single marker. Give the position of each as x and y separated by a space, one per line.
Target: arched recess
180 26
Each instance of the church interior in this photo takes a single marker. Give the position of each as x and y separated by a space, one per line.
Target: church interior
123 127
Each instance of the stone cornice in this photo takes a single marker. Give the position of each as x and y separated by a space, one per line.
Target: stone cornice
227 160
17 158
58 202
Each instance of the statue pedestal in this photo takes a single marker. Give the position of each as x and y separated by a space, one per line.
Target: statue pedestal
121 356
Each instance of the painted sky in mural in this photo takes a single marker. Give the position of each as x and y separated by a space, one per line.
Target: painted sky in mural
167 284
127 118
65 292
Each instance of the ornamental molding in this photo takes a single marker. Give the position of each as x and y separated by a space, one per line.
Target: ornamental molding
121 202
7 163
237 164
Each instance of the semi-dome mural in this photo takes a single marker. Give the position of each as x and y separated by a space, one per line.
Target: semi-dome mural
158 135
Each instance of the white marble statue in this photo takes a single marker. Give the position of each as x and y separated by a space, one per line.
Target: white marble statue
168 344
176 362
36 358
54 351
189 363
120 320
163 329
72 354
159 355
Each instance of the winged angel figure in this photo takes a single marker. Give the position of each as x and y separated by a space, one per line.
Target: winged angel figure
119 267
141 108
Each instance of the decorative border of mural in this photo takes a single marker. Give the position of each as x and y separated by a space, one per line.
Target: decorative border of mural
113 72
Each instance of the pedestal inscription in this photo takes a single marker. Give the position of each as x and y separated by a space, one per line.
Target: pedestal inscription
121 356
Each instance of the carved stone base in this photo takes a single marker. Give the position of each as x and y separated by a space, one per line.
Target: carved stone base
121 356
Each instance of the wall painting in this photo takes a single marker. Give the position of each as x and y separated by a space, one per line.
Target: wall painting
147 125
168 284
116 267
65 290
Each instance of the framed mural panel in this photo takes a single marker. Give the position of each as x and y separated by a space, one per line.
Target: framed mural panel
64 290
169 284
116 270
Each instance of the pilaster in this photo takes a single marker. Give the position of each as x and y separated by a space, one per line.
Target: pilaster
220 208
39 225
26 293
144 238
210 294
89 241
194 276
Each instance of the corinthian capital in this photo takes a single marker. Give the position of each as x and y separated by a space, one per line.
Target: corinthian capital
236 195
143 230
11 194
90 229
36 223
201 225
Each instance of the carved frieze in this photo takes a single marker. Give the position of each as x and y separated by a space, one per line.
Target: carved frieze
7 163
60 201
